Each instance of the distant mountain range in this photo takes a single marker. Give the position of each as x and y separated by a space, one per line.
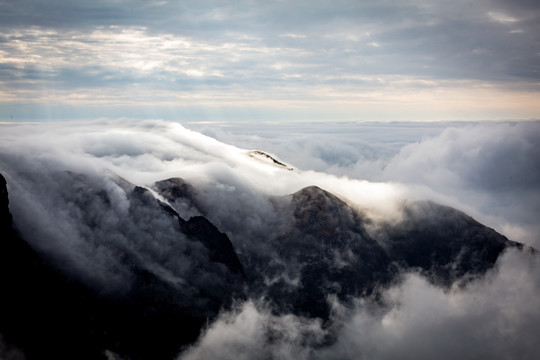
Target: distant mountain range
149 269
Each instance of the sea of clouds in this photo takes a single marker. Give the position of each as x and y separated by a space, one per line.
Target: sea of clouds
489 170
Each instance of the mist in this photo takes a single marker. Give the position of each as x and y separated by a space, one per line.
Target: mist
490 171
495 317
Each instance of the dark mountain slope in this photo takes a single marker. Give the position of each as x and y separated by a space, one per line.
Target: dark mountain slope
330 251
51 313
445 244
135 278
321 247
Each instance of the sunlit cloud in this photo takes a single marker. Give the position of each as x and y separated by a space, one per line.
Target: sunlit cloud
294 36
502 17
162 55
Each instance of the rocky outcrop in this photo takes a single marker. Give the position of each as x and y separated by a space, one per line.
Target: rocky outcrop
39 305
181 195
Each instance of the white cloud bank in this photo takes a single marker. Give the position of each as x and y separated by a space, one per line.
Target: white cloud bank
492 168
489 169
494 318
236 188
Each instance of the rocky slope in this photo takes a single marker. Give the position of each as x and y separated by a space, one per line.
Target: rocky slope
167 275
50 312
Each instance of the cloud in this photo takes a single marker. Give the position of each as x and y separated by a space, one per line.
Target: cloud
492 157
144 152
459 166
356 150
9 352
475 322
181 59
492 318
502 18
251 329
70 204
67 199
490 168
235 192
487 170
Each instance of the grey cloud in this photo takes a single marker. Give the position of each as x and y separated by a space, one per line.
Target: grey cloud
235 189
59 14
492 318
77 212
424 321
251 330
492 168
239 47
494 157
9 352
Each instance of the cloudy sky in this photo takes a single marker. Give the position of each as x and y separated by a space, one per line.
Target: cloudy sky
270 60
295 78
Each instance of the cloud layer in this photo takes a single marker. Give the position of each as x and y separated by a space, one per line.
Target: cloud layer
463 166
487 170
492 318
210 60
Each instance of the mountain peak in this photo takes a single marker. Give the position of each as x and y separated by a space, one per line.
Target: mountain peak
268 159
181 273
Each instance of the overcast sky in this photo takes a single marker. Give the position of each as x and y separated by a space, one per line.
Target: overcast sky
270 60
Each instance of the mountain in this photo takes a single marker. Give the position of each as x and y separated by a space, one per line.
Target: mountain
49 310
331 252
322 247
445 244
139 271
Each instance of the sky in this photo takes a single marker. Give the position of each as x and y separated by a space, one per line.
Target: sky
412 60
356 96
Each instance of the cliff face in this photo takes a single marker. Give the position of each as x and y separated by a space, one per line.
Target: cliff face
162 277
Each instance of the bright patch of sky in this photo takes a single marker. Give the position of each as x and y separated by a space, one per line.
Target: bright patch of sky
255 60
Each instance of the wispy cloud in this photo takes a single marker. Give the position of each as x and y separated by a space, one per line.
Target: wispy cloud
494 318
502 18
173 53
461 162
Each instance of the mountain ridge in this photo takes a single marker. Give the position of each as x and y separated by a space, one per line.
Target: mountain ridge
182 273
